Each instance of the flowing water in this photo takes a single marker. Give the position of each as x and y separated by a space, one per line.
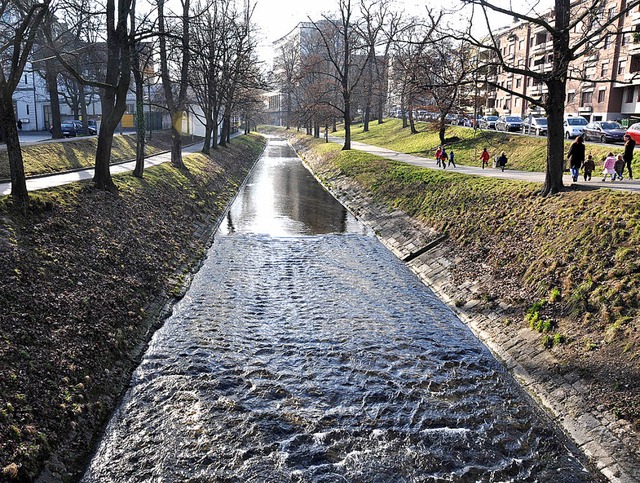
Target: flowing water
305 351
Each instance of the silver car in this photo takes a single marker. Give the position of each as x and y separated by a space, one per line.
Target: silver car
509 123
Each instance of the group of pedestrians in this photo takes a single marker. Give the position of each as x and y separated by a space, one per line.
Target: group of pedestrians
613 165
500 161
443 159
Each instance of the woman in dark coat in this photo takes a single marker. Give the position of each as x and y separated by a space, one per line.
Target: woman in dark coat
576 157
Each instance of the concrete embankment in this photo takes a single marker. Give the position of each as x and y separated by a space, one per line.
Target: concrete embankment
608 442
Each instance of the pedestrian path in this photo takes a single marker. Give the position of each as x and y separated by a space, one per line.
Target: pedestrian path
534 177
50 181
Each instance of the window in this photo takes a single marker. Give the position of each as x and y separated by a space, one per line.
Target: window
626 38
571 97
622 64
515 102
585 98
601 94
518 83
607 42
521 45
27 106
26 79
629 96
604 72
612 13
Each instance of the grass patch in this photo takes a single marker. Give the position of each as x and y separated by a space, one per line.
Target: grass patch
525 153
53 157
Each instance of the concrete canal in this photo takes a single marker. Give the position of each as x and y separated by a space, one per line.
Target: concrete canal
305 351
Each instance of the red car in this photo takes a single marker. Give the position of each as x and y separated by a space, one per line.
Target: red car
634 132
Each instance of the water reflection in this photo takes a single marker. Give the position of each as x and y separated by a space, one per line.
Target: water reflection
282 198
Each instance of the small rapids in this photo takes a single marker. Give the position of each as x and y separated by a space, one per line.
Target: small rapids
305 351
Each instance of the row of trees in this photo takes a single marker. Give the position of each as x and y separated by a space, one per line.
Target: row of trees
351 60
198 52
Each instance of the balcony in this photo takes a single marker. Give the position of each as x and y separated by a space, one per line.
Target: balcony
635 18
585 109
540 47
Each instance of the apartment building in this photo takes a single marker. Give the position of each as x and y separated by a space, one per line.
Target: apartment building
609 73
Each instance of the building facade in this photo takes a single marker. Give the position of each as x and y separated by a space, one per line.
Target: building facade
609 74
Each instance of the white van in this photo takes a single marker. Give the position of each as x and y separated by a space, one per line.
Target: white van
573 125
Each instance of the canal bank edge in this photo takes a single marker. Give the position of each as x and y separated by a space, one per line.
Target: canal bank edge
609 443
71 457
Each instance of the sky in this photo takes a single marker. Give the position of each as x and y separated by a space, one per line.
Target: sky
276 18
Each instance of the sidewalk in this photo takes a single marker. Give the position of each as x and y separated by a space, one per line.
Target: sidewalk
534 177
50 181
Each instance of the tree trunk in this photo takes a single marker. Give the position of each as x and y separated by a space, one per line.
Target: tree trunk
555 138
412 122
208 128
347 123
442 130
367 115
176 141
19 192
83 109
51 77
140 116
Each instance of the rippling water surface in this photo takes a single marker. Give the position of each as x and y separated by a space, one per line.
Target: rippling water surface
305 351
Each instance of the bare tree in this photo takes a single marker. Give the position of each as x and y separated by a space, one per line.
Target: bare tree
343 50
174 70
287 71
19 23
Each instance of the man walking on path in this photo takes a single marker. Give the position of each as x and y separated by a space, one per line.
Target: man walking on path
629 146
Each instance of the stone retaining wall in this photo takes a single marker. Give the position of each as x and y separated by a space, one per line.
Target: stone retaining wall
608 442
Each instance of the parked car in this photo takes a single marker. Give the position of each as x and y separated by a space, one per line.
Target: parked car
488 122
536 125
573 126
604 131
68 129
91 127
509 123
634 132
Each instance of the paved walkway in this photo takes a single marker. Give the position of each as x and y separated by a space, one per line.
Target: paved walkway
50 181
535 177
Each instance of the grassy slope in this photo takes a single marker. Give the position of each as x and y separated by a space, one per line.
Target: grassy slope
577 252
80 269
52 157
526 153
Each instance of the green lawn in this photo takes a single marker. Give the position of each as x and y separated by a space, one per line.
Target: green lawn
526 153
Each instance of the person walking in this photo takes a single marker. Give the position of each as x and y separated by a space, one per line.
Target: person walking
618 167
451 159
576 157
443 158
502 161
629 147
588 167
438 155
609 164
484 157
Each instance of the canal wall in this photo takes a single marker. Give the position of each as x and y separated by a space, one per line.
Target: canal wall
610 443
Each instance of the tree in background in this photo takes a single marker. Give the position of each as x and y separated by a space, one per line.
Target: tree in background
19 24
344 50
